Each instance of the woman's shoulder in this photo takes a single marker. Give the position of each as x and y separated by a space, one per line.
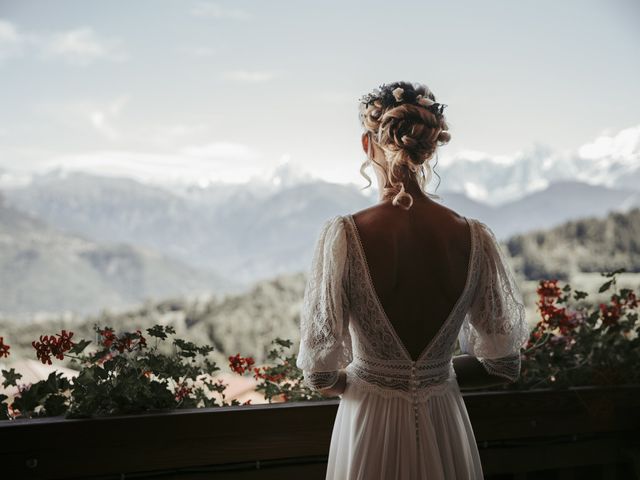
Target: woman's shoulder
387 215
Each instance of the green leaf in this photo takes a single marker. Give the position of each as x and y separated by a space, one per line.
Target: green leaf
55 383
10 377
80 346
624 292
615 272
578 294
283 342
55 405
157 331
205 350
187 349
605 286
210 367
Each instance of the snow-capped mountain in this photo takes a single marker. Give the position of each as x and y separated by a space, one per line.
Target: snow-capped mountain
610 161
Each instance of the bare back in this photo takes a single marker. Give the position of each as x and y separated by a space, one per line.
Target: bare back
418 260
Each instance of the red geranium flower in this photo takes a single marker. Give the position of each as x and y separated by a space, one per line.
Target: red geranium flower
610 313
128 341
240 364
4 349
632 300
107 336
548 289
183 391
49 346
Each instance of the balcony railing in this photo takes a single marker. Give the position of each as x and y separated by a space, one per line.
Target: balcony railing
582 433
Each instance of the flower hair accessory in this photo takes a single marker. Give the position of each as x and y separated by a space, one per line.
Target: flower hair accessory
391 95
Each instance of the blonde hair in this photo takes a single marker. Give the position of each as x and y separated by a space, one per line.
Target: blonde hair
407 133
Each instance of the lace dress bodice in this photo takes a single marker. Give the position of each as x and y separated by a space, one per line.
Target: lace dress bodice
344 326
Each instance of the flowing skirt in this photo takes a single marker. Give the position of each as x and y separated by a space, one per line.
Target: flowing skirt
374 437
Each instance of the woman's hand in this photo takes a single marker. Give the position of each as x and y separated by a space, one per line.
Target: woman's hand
471 374
338 388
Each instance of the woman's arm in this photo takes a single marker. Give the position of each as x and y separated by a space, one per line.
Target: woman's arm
471 374
337 388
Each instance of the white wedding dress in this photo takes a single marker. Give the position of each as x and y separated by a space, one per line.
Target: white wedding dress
400 419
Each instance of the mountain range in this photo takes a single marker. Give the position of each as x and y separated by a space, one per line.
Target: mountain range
76 240
611 160
45 270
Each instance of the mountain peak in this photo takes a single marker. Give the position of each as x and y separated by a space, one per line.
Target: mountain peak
285 174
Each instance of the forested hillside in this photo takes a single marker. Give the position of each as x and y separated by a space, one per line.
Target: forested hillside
584 245
232 323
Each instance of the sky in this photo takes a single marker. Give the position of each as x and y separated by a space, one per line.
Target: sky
202 91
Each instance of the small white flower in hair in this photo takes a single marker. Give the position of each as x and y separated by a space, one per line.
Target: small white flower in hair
397 93
424 101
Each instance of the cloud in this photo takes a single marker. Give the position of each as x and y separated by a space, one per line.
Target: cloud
198 51
222 161
215 10
12 41
248 77
99 116
336 97
80 46
169 134
623 145
222 150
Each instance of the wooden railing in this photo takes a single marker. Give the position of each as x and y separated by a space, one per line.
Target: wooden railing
582 433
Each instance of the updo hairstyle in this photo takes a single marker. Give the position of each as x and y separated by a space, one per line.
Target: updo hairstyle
407 123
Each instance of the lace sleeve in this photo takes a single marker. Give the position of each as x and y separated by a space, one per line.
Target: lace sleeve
325 340
495 327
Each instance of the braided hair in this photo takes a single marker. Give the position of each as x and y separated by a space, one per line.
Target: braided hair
408 124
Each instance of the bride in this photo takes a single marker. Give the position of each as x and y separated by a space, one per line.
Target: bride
392 290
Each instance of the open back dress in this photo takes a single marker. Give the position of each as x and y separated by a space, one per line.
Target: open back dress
400 418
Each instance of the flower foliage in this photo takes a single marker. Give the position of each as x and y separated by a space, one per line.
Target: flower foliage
577 342
122 374
281 380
